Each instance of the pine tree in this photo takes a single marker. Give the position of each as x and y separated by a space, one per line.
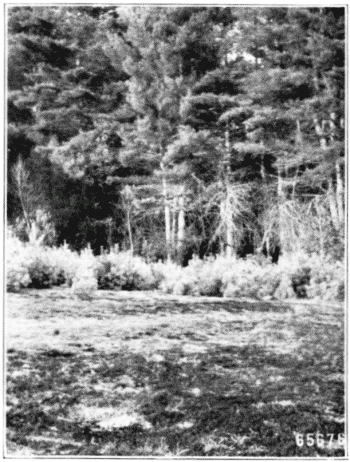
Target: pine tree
297 97
67 106
154 91
216 104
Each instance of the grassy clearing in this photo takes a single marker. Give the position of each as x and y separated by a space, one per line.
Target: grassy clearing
141 374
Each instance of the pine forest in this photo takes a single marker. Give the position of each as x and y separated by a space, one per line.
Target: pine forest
176 132
176 183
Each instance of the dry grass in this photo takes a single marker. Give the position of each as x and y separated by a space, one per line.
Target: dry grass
146 374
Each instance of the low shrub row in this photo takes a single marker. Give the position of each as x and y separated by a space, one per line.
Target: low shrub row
297 276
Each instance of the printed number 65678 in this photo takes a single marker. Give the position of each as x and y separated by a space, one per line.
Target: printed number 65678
319 439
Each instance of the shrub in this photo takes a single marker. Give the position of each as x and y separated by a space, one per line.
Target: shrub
247 278
314 277
16 264
84 280
246 285
206 277
327 281
49 267
122 271
66 264
84 285
300 280
271 280
284 289
31 265
41 274
159 270
200 277
170 275
17 279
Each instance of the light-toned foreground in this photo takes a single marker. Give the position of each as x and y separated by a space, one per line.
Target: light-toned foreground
267 360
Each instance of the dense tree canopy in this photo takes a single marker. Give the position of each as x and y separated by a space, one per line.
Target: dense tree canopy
178 131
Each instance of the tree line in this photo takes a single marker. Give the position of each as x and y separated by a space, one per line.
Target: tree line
174 131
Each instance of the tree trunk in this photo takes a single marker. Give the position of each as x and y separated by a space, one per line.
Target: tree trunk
173 225
333 204
181 228
262 166
340 193
281 200
262 170
166 216
129 231
226 206
321 228
298 135
229 229
109 238
223 244
21 177
24 209
335 199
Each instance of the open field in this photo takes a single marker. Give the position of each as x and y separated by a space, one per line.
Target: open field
144 374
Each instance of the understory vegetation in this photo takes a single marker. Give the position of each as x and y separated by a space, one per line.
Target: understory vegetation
30 265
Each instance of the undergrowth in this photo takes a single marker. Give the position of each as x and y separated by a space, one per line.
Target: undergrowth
295 276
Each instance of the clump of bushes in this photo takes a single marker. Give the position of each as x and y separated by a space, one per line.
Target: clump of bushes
297 276
17 255
314 277
200 277
122 271
34 266
52 266
84 285
252 278
327 281
84 279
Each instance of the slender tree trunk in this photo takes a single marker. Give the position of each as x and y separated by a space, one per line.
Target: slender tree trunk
298 135
281 200
226 214
223 243
109 238
227 203
335 199
21 178
129 231
339 179
262 170
340 193
167 223
333 204
173 225
262 166
321 229
24 209
166 215
181 228
229 229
